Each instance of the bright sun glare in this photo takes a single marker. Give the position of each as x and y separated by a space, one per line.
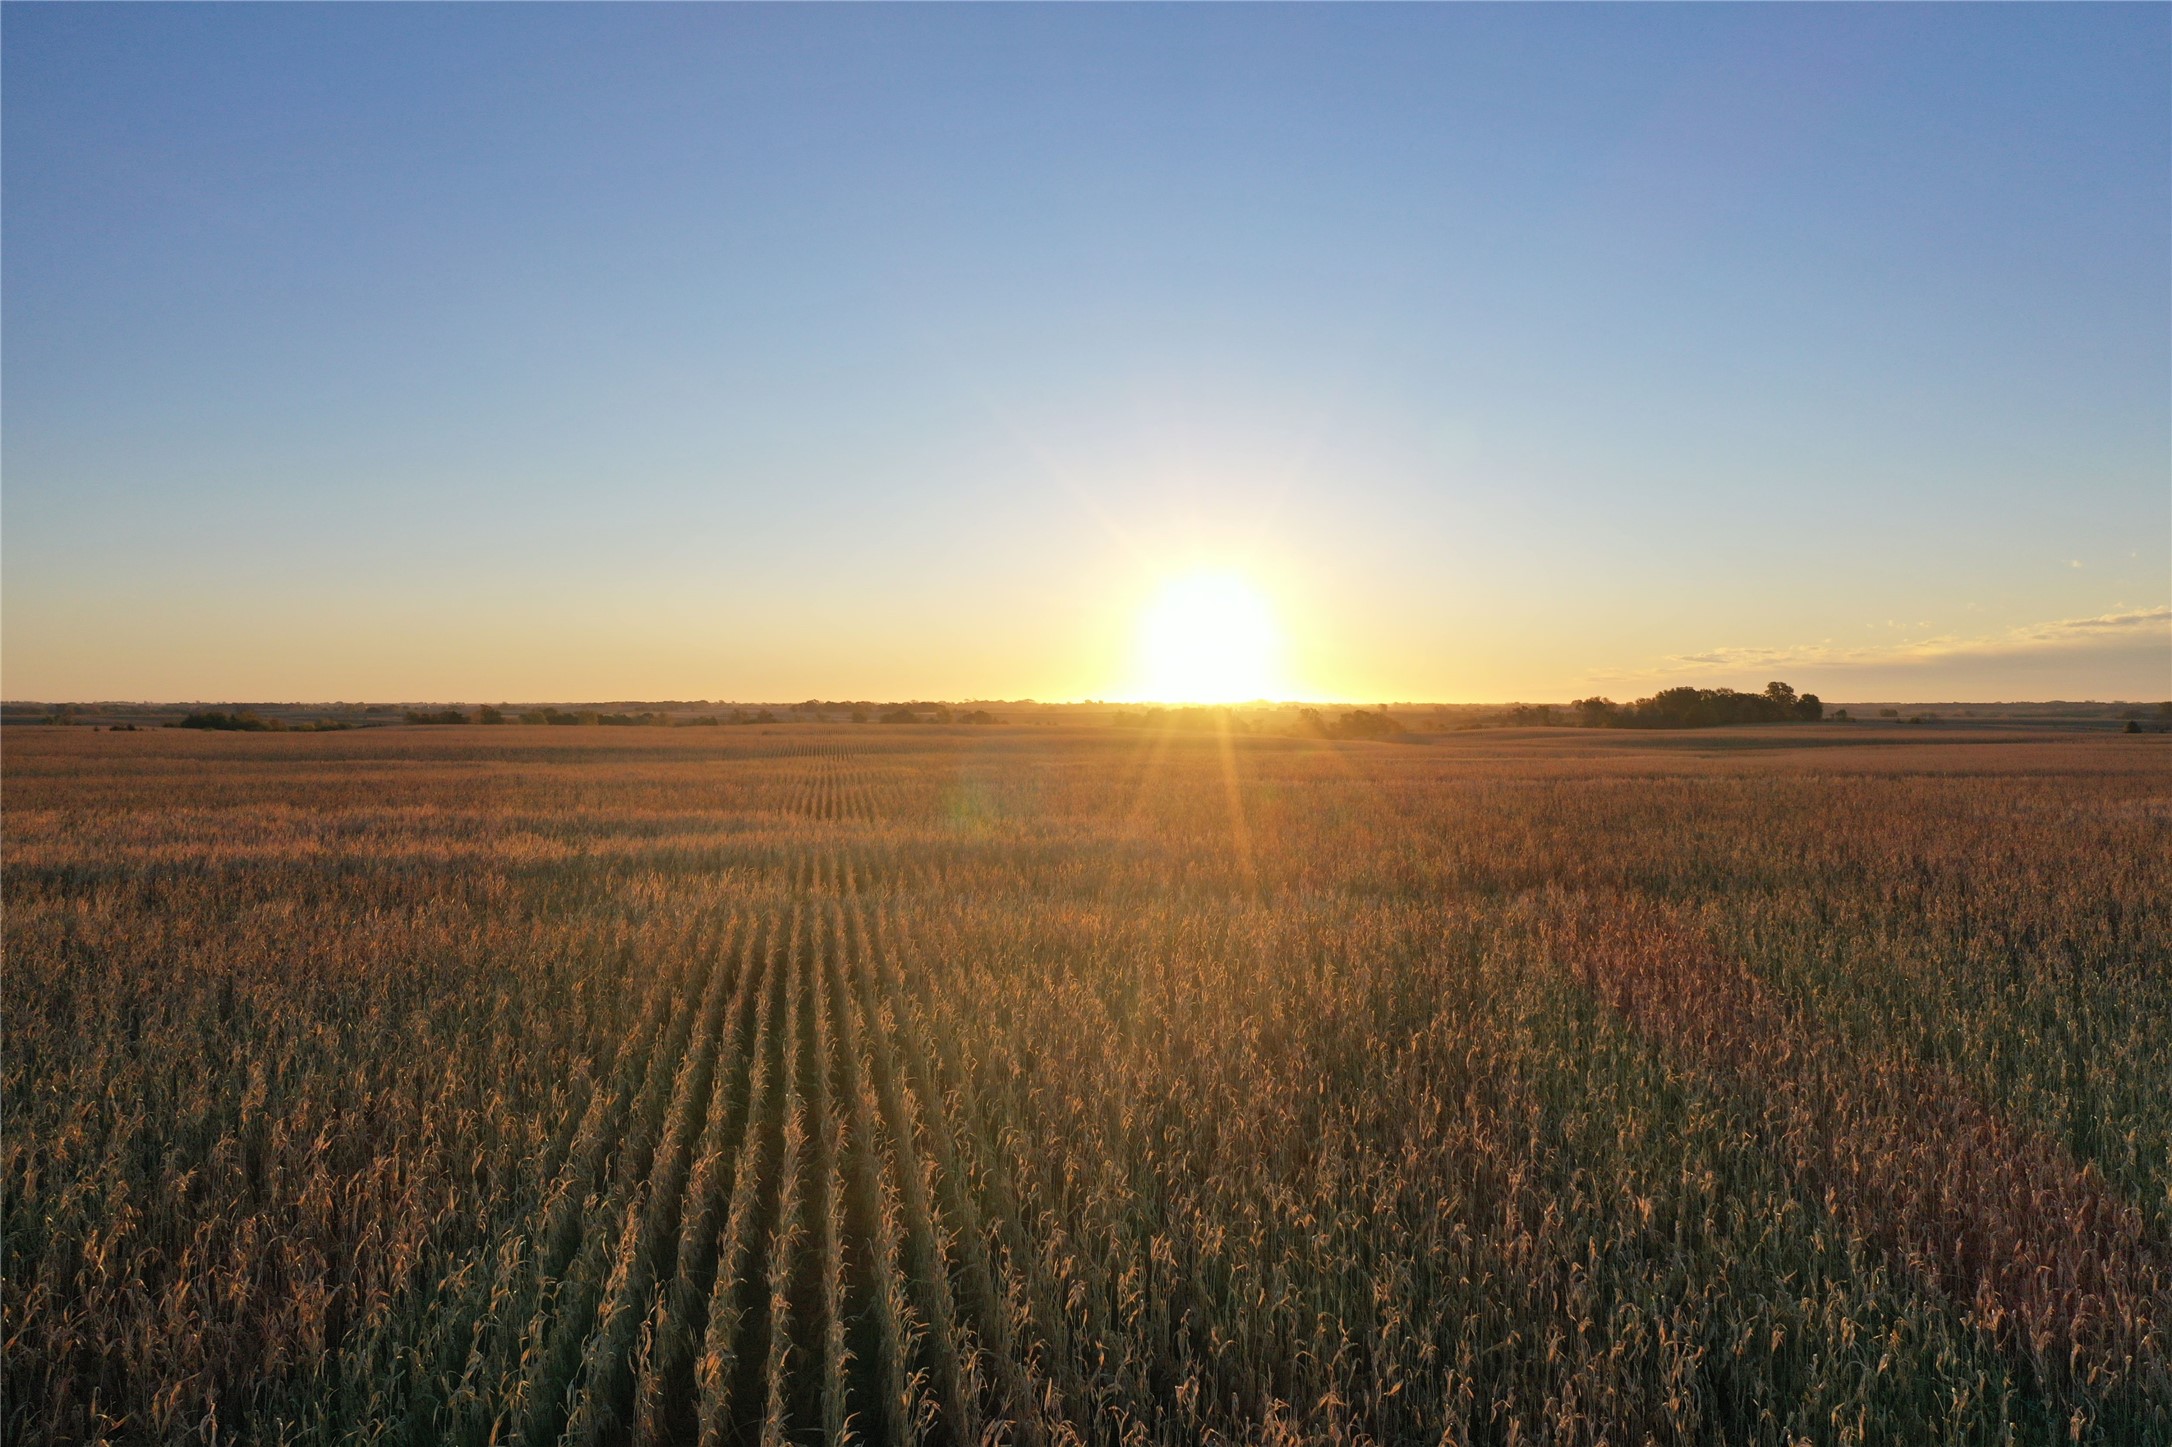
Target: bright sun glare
1208 637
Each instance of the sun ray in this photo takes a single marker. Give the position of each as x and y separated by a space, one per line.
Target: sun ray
1240 831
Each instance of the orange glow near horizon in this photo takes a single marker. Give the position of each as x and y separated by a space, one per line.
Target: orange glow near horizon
1209 636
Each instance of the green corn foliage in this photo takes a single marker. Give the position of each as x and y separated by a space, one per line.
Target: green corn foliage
909 1086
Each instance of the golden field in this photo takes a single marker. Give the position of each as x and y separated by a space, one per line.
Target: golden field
913 1084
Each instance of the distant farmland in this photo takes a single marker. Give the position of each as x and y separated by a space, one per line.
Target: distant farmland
1065 1085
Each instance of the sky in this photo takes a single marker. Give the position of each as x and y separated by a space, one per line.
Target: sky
611 352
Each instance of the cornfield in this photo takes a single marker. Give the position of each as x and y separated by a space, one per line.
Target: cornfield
1041 1086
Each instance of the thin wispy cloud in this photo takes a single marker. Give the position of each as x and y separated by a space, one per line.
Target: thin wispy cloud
2067 629
2122 627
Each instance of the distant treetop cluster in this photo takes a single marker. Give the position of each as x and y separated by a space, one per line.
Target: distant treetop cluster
1190 719
812 710
1356 724
247 721
1698 708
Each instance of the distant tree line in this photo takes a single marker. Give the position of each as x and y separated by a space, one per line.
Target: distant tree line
941 713
1698 708
1356 724
245 721
1183 720
647 719
242 722
900 713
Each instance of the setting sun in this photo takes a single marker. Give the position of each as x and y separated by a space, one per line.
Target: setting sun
1208 637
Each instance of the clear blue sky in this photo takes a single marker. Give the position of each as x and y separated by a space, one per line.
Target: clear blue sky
564 352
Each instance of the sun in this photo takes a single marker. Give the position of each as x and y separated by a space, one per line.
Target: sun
1208 637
